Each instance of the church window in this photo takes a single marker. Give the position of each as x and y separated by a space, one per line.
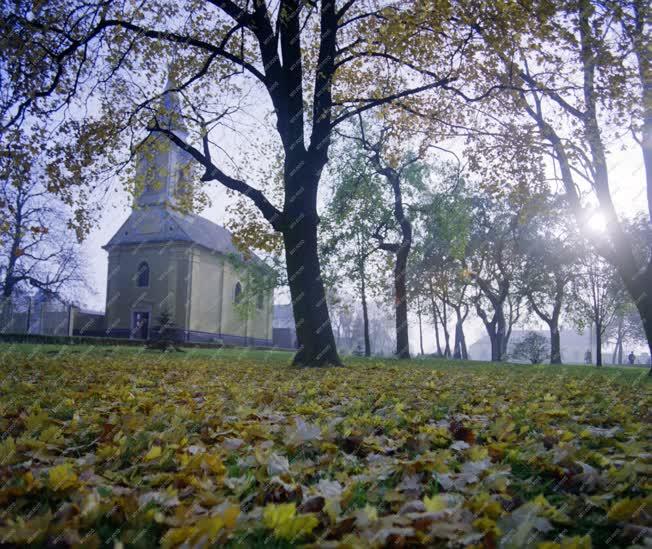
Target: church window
260 301
143 275
237 294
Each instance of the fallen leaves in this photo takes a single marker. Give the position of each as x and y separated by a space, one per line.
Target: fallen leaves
232 452
61 477
286 524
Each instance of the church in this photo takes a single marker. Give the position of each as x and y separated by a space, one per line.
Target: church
167 263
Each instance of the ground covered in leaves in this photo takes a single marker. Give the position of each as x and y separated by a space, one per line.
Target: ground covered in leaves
120 448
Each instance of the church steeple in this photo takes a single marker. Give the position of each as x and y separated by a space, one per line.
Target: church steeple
163 168
170 107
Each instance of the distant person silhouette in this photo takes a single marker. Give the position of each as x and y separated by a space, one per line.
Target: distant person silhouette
631 358
587 357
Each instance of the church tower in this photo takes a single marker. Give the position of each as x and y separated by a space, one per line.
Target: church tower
162 169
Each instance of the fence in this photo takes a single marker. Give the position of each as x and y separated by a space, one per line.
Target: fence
48 316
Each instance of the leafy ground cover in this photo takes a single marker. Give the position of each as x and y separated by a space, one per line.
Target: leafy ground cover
115 447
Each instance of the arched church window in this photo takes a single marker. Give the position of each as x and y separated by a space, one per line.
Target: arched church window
260 301
143 275
237 294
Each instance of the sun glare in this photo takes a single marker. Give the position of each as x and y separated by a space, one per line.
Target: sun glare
597 222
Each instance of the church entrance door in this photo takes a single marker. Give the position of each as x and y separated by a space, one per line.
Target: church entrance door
140 325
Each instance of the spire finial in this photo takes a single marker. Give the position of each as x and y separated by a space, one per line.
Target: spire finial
170 102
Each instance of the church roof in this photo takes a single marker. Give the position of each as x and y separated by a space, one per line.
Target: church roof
163 224
205 233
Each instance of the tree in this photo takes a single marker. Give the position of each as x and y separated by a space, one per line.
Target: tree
598 294
316 64
442 227
36 251
581 72
348 225
492 266
626 328
166 336
401 171
459 348
533 347
550 255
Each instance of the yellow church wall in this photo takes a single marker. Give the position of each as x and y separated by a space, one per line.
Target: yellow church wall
177 271
233 322
205 289
258 322
166 289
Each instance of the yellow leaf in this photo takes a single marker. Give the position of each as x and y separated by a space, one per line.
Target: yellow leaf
177 536
230 516
62 477
35 421
576 542
626 509
485 525
51 435
274 515
484 504
332 508
213 463
478 453
7 451
550 511
371 512
154 453
286 523
210 527
435 504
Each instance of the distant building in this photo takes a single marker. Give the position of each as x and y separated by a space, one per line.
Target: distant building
162 259
284 330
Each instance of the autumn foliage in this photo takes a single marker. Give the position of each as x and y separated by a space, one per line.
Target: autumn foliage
144 448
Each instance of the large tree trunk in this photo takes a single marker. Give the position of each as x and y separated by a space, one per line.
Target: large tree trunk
457 348
444 323
465 352
400 267
644 306
495 330
365 315
506 331
617 355
501 336
400 292
420 331
598 344
495 338
464 355
313 325
555 342
435 319
496 346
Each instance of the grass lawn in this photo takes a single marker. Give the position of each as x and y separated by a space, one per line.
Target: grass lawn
102 446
